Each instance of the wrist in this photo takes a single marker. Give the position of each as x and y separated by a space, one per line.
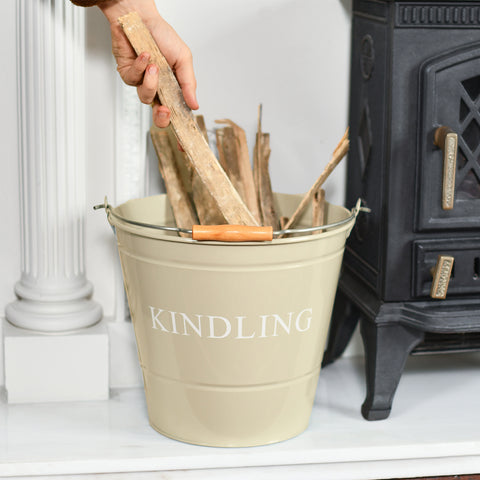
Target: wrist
113 9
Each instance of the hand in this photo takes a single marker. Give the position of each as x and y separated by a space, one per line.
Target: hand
138 71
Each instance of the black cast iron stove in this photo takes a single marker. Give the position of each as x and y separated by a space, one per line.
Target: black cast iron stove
411 271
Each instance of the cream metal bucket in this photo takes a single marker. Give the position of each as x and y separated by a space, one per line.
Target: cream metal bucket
230 336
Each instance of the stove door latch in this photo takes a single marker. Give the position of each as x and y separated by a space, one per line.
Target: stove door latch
442 272
447 140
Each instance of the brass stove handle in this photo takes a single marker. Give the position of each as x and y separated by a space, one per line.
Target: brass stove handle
442 273
446 139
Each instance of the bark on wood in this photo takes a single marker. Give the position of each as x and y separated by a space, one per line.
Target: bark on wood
185 126
179 199
243 168
339 152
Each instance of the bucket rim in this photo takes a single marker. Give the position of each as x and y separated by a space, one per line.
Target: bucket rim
158 231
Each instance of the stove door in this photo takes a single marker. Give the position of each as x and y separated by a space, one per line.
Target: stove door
448 183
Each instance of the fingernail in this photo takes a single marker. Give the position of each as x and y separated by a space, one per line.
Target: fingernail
145 56
162 114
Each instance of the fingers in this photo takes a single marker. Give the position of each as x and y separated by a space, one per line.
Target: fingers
186 78
161 116
132 72
148 89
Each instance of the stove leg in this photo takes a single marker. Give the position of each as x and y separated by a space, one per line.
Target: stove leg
345 317
387 347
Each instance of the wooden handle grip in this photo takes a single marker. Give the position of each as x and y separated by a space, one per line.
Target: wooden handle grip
232 233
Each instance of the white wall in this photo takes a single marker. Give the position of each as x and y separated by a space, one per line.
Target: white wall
290 55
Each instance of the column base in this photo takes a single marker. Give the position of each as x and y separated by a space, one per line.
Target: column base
56 367
53 317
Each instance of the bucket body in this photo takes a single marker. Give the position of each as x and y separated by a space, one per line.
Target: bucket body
230 336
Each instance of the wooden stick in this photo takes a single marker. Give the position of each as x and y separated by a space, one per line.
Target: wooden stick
265 193
186 129
179 200
244 168
339 153
207 210
219 135
200 119
283 222
228 151
184 165
257 152
318 208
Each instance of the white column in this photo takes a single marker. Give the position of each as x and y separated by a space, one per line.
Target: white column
53 292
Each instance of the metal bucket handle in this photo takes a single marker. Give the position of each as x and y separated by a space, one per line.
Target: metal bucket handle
235 233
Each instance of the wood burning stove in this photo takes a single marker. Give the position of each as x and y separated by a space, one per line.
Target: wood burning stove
411 271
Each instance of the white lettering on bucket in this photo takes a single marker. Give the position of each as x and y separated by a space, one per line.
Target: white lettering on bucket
299 318
218 327
196 328
155 319
278 320
240 328
228 326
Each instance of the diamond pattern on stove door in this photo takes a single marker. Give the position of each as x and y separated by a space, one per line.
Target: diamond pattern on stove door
468 165
449 96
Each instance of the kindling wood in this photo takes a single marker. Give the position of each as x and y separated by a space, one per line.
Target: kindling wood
185 126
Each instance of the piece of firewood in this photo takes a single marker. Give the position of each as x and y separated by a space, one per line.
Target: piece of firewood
228 151
179 200
184 165
257 152
200 119
265 193
243 168
283 222
318 208
339 152
219 135
186 129
207 210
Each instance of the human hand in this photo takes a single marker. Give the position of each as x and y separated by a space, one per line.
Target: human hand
138 71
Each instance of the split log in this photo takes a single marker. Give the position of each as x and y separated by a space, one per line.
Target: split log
177 195
184 165
185 126
265 193
207 210
219 135
257 152
261 175
242 167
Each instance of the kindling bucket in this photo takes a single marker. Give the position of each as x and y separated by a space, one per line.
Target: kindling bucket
230 336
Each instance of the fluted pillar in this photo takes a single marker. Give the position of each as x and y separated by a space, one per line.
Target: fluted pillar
53 292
